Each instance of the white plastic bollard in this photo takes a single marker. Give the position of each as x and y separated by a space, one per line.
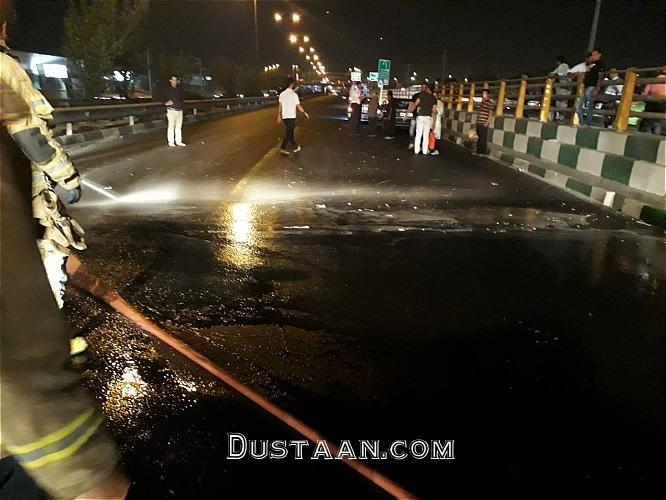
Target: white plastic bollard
131 120
69 129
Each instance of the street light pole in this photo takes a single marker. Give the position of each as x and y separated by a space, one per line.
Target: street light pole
201 79
595 24
256 34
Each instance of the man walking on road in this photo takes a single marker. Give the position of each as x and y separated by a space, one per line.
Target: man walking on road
482 123
288 105
173 100
389 117
425 107
355 104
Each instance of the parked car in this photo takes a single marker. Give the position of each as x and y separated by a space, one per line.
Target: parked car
402 116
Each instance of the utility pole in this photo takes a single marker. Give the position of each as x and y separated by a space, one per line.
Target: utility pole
150 77
409 73
443 66
595 23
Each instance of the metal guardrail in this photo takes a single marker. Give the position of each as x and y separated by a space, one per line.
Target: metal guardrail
68 116
539 94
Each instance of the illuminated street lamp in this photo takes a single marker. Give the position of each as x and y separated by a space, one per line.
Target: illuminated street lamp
278 17
293 38
306 39
296 17
312 49
301 50
307 57
315 57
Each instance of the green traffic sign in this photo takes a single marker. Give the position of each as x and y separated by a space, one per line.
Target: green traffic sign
384 64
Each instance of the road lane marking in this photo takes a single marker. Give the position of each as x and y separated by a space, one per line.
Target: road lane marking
256 168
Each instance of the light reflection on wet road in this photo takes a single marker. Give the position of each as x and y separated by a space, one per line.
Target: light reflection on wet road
376 296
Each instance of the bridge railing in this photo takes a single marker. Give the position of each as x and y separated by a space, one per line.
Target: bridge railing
551 97
127 114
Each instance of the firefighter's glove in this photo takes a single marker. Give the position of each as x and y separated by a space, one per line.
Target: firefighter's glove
74 195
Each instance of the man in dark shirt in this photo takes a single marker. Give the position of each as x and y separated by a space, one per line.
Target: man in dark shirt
412 123
391 111
173 100
425 108
591 81
482 121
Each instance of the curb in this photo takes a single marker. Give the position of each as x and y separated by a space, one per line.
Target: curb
616 197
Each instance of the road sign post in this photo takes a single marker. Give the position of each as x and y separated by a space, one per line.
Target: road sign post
384 71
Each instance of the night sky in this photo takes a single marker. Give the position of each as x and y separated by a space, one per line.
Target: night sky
482 38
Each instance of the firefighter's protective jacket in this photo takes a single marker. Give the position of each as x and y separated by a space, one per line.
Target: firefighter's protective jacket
24 113
48 422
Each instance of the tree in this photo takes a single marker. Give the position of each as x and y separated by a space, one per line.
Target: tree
226 74
180 63
100 34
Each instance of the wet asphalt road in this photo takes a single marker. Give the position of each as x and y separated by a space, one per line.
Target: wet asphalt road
376 295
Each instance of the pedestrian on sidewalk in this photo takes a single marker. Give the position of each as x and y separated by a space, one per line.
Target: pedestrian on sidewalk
592 82
482 123
425 107
373 106
288 106
355 98
391 111
173 100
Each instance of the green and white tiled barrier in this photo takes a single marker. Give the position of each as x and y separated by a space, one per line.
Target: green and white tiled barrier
624 171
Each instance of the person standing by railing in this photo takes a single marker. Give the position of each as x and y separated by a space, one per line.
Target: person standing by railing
592 82
652 125
614 89
483 122
173 100
561 73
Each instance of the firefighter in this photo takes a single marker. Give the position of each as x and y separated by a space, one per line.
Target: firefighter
49 425
25 112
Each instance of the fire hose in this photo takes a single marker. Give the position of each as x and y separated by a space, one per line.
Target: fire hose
98 288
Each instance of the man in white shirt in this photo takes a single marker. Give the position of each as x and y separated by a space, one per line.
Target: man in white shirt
288 105
355 98
581 67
